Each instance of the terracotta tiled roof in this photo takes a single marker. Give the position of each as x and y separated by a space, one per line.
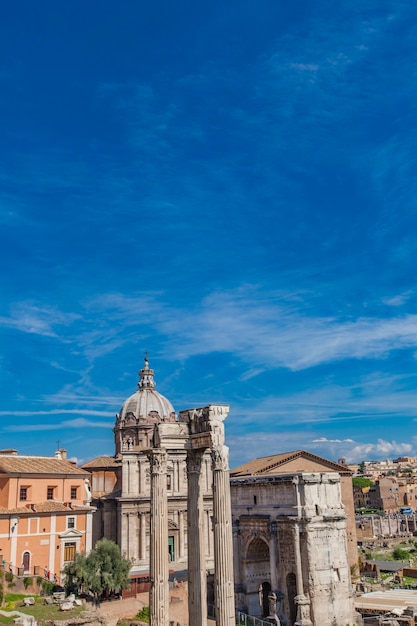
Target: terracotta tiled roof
103 462
19 510
38 465
268 464
48 506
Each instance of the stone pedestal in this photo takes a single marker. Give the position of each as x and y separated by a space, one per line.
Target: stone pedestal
303 611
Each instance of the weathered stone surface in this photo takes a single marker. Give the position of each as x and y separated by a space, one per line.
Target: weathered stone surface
290 531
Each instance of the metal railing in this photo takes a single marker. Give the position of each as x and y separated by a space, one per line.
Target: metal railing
242 619
247 620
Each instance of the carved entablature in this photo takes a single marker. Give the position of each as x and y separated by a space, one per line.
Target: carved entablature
206 425
200 419
201 441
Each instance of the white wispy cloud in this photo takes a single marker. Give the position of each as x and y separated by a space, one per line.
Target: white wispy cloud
279 335
247 447
325 440
56 412
379 449
269 331
78 423
398 299
37 319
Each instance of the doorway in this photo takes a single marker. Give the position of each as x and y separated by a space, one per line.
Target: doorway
171 550
26 562
266 588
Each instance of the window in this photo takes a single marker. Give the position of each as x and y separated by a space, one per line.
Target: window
70 522
23 493
69 551
74 493
169 482
50 493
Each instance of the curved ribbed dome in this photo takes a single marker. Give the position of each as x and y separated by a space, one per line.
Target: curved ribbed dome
147 403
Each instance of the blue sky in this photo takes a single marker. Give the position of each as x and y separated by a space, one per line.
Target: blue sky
230 186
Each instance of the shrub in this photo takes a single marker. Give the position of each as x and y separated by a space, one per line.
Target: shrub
399 554
27 581
143 614
47 587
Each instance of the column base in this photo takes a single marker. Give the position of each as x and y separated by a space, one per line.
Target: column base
303 611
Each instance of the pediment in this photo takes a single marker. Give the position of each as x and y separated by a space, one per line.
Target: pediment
289 462
71 533
301 460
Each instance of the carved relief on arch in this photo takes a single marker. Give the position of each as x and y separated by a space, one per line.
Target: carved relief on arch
256 548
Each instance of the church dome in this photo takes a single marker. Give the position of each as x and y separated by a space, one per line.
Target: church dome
147 403
139 414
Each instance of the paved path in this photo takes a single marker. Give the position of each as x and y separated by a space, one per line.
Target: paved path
128 608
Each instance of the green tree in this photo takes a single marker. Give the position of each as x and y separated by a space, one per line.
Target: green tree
361 482
101 571
399 554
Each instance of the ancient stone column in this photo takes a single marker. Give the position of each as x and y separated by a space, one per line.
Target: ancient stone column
181 534
301 600
132 546
159 592
197 576
142 555
124 546
223 539
273 556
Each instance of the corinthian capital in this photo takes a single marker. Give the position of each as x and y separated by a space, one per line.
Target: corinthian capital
158 461
220 458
